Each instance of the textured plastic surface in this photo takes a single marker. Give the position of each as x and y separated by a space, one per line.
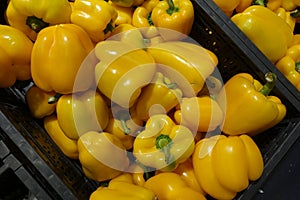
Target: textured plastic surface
24 139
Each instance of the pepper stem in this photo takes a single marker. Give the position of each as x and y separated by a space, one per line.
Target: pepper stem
260 2
149 18
109 27
297 67
54 99
172 8
295 13
123 116
36 24
163 143
271 80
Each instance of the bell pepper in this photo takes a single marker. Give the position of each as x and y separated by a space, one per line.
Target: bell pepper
177 15
127 3
193 62
65 144
138 173
271 4
122 190
142 14
122 85
96 17
227 7
202 114
163 144
82 112
102 155
242 5
260 111
289 65
124 14
169 186
258 24
52 73
225 165
159 97
290 5
124 124
187 173
32 16
37 102
14 61
286 16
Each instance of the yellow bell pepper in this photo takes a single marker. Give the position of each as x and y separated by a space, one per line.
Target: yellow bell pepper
96 17
170 186
225 165
65 144
127 3
14 60
202 114
142 14
125 125
163 144
193 62
122 85
271 4
286 16
102 155
248 106
124 14
31 16
37 102
290 5
242 5
177 15
138 173
122 190
81 112
289 65
56 59
159 97
259 23
227 6
187 173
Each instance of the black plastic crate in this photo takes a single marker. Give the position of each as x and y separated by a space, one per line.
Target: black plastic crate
59 177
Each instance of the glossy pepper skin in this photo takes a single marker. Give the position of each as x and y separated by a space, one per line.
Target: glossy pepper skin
289 65
228 6
286 16
127 3
102 155
202 114
258 24
14 61
65 144
122 71
260 110
290 4
177 15
142 14
124 124
122 190
224 165
96 17
31 16
161 92
56 59
37 102
271 4
124 14
82 112
163 144
194 63
169 186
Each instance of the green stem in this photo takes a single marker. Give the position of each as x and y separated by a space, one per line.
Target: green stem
163 143
54 98
123 116
297 67
295 13
260 2
271 80
109 27
172 8
149 18
36 24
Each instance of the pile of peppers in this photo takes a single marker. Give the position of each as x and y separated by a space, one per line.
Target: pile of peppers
258 19
119 90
